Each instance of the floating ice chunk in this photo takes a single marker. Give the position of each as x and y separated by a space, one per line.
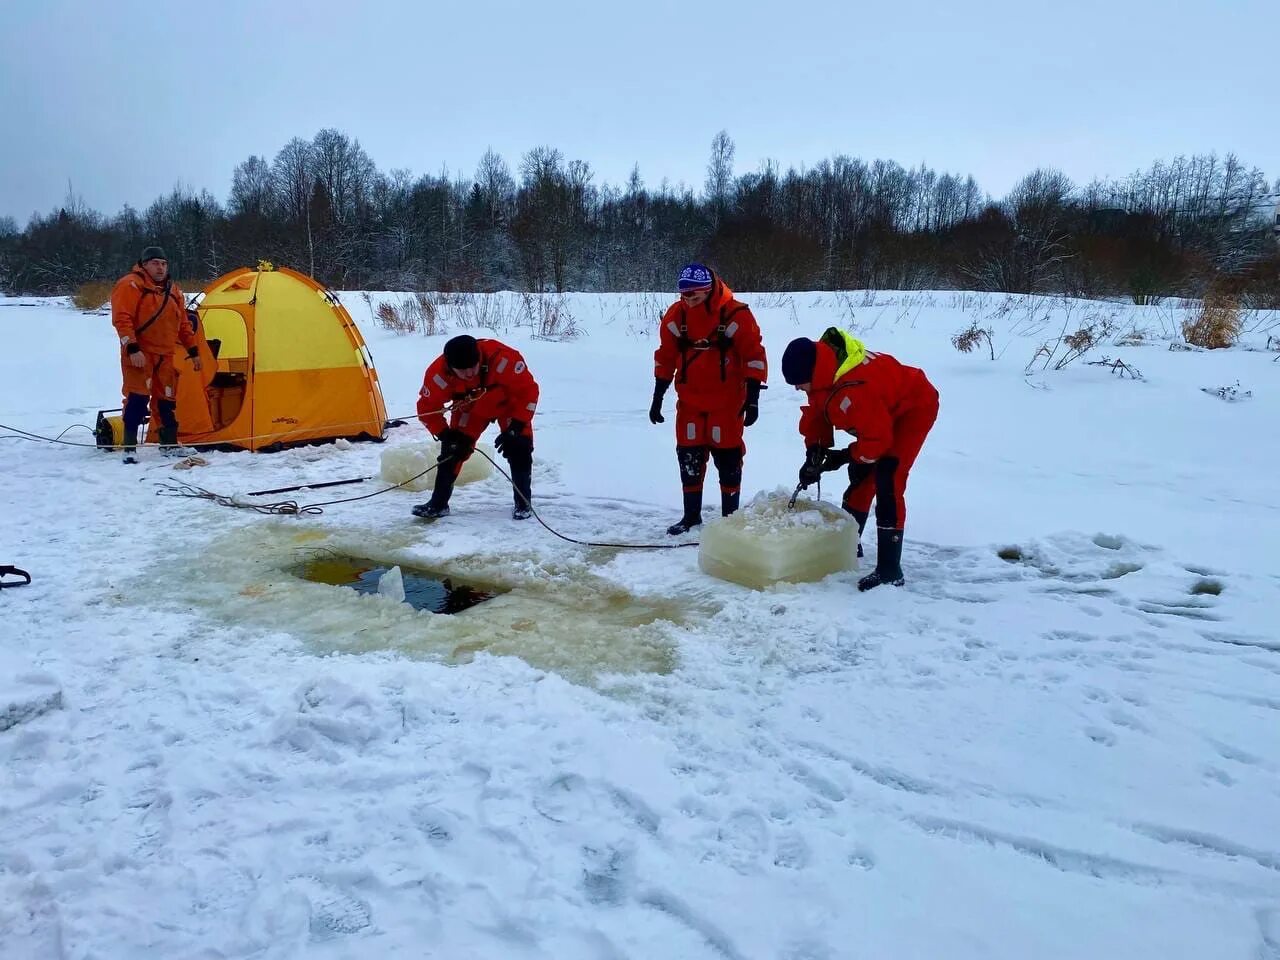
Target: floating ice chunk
765 542
25 693
391 585
410 459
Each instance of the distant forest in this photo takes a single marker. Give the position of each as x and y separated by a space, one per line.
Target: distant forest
322 206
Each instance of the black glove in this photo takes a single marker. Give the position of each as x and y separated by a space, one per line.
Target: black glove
835 459
655 408
750 411
811 469
514 429
820 460
454 444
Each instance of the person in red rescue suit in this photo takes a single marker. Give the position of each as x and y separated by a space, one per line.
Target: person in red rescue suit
888 407
482 381
709 344
149 313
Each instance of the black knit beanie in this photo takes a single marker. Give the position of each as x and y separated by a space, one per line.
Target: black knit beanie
462 352
798 361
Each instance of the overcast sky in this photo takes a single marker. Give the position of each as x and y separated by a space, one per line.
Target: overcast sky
124 99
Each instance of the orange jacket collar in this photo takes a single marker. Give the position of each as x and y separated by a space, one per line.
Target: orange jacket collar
719 296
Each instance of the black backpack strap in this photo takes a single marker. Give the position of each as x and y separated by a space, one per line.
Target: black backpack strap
164 302
6 571
724 339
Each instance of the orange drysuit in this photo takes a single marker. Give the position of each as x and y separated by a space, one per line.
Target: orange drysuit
155 318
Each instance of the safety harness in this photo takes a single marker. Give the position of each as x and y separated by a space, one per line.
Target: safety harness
164 302
722 339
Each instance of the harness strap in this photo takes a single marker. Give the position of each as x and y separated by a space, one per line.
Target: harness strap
723 342
164 302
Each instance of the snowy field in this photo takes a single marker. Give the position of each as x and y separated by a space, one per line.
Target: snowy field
1071 750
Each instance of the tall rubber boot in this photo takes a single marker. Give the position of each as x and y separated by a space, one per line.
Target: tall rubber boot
888 560
692 514
438 505
168 411
729 467
133 415
522 488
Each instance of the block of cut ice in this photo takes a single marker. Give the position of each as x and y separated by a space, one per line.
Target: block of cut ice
407 460
765 542
391 585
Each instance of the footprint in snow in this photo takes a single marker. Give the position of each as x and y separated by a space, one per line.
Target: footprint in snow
1098 735
1219 776
608 874
567 798
862 858
741 840
334 911
438 826
792 851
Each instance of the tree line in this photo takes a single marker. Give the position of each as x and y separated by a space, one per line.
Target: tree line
322 206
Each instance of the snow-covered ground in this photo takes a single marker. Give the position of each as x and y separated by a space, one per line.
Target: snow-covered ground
1072 750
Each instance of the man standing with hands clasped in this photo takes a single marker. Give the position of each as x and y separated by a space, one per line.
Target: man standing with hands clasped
149 313
709 345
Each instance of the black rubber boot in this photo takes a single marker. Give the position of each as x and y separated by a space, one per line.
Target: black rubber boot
522 488
692 514
134 414
888 560
729 467
438 505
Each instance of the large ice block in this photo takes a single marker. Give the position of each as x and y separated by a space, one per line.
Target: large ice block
765 542
409 459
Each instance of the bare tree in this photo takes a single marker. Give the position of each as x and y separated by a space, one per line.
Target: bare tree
719 186
252 188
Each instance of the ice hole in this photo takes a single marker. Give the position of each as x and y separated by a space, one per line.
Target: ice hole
768 541
423 589
554 613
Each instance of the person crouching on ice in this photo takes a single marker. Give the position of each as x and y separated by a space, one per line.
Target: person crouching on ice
484 381
888 407
709 344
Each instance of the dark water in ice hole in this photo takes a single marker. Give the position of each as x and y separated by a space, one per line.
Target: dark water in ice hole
423 589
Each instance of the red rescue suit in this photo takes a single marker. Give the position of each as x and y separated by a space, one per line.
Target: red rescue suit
710 351
888 407
503 390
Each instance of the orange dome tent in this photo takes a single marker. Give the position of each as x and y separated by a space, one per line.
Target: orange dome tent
282 363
